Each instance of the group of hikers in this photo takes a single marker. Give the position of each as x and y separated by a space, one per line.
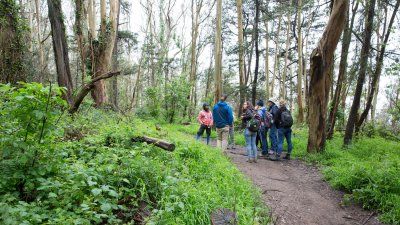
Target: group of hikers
258 123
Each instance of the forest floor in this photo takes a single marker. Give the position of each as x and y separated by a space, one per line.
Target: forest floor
297 194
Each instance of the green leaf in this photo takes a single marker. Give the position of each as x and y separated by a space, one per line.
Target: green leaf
113 193
105 207
52 195
96 191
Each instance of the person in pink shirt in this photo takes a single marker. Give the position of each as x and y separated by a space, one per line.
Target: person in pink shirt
205 119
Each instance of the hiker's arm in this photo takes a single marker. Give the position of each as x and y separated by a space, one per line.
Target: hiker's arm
199 117
230 116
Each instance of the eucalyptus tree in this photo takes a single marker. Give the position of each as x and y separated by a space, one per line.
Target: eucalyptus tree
320 83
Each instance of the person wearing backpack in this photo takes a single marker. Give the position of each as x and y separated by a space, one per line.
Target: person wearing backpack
273 132
262 133
205 119
223 119
284 124
251 123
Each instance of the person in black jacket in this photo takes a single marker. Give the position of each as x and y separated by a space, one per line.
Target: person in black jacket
273 136
284 126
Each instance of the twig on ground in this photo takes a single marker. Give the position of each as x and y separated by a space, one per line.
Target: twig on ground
368 218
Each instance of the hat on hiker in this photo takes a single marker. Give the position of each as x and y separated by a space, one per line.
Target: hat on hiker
260 103
271 100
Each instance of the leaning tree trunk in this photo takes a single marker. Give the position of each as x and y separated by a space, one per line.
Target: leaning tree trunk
257 18
353 116
60 48
342 71
378 70
218 53
321 61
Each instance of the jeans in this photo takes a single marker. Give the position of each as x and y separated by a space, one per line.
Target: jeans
251 143
231 138
201 132
273 136
222 138
285 133
262 133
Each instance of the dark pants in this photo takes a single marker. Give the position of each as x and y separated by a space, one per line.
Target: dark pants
273 136
282 134
201 132
262 135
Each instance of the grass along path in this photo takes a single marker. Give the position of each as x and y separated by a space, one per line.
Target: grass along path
297 193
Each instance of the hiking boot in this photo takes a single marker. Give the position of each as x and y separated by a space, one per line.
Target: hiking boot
275 157
249 160
271 152
287 157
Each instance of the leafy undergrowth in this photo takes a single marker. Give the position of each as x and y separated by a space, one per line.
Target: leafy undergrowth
369 171
85 170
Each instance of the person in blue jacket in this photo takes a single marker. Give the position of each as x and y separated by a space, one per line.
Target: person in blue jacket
223 119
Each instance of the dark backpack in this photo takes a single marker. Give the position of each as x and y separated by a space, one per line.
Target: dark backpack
254 123
286 119
268 119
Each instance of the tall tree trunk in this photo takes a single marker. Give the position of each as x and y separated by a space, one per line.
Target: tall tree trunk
92 19
115 64
218 53
342 70
60 48
353 116
196 8
12 46
282 92
104 49
239 6
277 52
266 60
209 76
321 61
39 38
255 80
80 38
378 69
300 115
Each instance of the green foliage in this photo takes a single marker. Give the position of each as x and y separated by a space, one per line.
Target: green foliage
153 96
176 99
104 178
28 120
368 170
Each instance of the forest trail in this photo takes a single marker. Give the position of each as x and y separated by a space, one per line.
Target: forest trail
297 193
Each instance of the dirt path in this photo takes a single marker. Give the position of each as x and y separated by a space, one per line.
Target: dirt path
297 194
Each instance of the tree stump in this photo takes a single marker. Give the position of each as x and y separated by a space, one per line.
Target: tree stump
223 217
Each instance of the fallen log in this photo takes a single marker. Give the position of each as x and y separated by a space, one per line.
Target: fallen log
156 142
